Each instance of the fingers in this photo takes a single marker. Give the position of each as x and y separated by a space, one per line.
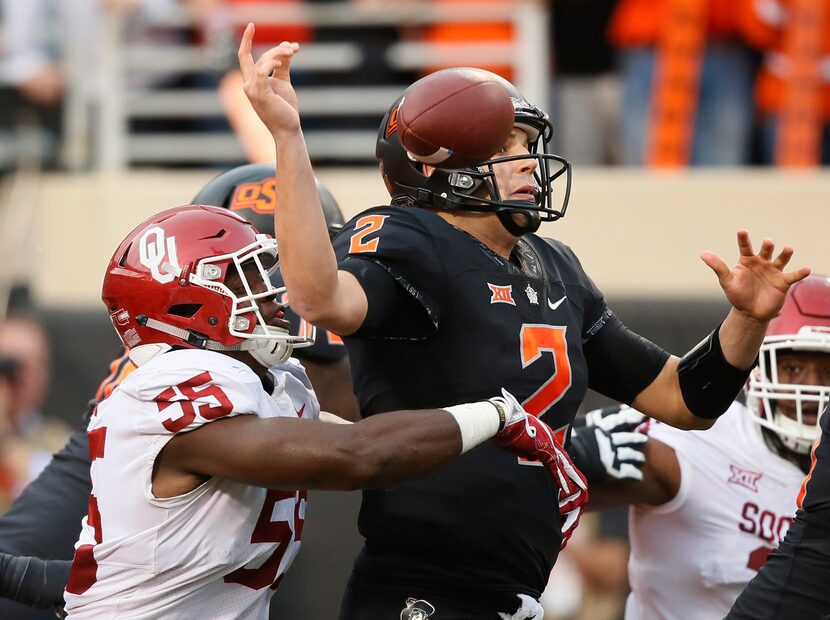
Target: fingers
767 248
744 243
630 456
716 264
795 276
628 438
276 62
630 472
783 258
246 58
624 419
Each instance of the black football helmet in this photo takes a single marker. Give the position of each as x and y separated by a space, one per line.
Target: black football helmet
460 189
249 191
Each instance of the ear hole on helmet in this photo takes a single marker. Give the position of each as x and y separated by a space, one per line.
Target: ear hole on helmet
217 235
184 310
123 260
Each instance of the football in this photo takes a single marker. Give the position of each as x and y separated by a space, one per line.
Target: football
455 118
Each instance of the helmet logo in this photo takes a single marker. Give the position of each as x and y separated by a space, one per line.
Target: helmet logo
392 123
259 196
153 248
417 609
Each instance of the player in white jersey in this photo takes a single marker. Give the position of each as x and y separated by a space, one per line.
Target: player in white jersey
715 503
729 500
201 457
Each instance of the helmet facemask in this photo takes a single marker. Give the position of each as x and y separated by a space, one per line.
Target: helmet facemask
268 344
796 422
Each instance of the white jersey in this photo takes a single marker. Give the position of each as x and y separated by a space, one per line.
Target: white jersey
692 556
218 551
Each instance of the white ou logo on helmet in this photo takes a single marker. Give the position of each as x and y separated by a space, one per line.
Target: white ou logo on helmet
153 247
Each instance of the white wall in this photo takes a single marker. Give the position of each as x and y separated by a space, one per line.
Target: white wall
637 233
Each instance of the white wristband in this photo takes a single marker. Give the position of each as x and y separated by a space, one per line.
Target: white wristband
478 422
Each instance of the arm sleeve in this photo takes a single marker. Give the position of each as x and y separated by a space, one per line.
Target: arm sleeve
621 364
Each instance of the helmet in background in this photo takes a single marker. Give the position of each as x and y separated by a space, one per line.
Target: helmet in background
802 326
250 191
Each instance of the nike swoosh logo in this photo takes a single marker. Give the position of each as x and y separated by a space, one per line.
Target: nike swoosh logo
554 306
300 411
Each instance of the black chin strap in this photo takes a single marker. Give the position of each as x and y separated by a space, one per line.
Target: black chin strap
516 229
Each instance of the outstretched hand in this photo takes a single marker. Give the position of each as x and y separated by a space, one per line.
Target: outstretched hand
757 285
267 84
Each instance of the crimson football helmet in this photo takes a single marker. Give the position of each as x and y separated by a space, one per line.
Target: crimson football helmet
165 286
802 325
249 191
460 189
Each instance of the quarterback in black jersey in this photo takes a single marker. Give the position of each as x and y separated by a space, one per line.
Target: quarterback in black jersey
449 292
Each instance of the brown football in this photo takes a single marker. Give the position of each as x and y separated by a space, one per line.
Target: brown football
455 118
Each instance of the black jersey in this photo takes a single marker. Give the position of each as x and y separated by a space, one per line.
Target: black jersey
814 496
487 522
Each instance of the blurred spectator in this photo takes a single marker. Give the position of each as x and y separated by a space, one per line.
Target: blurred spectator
792 91
36 38
687 95
27 437
450 33
586 88
590 579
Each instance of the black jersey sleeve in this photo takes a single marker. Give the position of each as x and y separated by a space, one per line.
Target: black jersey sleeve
391 254
621 364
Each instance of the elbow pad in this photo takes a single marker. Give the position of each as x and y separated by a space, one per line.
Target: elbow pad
708 383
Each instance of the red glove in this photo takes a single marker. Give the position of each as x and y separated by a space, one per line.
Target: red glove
527 436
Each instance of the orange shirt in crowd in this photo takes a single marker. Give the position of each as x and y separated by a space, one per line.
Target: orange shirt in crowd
470 32
273 32
637 23
763 25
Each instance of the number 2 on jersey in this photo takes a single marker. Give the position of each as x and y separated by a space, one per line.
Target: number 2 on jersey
538 339
364 227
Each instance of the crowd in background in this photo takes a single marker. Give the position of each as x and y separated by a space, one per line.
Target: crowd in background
634 82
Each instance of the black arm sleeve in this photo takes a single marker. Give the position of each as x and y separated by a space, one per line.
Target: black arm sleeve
45 522
46 519
32 581
584 452
621 364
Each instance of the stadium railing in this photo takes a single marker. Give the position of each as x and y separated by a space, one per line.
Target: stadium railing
99 129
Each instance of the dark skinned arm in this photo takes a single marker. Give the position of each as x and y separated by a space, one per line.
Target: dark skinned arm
291 453
660 483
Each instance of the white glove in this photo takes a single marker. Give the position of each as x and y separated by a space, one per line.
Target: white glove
620 447
530 610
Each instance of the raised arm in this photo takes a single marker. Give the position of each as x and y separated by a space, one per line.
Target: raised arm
693 391
321 294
